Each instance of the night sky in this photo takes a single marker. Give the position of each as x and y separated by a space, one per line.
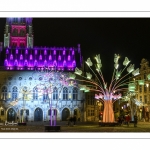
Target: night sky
129 37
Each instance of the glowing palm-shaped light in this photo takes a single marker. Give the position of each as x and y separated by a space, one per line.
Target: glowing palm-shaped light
98 67
148 76
82 87
78 71
72 76
130 68
118 73
141 82
136 72
98 60
131 86
116 66
88 62
99 64
126 61
116 58
87 89
89 76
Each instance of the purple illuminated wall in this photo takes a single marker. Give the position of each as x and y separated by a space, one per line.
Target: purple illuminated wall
62 58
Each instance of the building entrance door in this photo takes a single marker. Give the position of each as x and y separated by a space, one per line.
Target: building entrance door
38 114
65 114
11 115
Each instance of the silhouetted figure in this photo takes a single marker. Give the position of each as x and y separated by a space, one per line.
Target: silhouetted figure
26 119
135 120
71 120
128 119
17 119
119 121
74 120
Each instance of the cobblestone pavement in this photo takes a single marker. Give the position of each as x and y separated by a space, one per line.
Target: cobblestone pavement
79 127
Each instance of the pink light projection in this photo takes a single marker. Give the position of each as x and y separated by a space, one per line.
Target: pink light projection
19 27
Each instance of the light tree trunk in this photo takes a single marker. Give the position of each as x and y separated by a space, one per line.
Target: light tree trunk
108 113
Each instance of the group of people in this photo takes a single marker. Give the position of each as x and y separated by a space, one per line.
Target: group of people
126 120
72 120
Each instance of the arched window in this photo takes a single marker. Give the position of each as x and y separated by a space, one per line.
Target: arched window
75 93
55 94
65 93
35 93
4 93
45 94
14 93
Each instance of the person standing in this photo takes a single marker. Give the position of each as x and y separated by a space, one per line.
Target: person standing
135 120
128 119
71 119
74 120
17 119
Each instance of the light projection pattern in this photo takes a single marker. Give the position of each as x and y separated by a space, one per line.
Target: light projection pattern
107 94
53 80
29 59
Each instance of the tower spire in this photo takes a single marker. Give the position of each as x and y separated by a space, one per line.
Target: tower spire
18 32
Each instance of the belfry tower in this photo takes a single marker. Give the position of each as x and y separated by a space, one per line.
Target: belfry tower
18 33
21 54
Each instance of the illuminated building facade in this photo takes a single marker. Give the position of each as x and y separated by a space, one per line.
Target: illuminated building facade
18 78
143 90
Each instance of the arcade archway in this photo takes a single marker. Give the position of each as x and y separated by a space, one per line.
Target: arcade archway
11 115
65 114
38 114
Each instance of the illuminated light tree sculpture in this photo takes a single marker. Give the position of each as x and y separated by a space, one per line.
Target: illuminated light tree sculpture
53 81
107 94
